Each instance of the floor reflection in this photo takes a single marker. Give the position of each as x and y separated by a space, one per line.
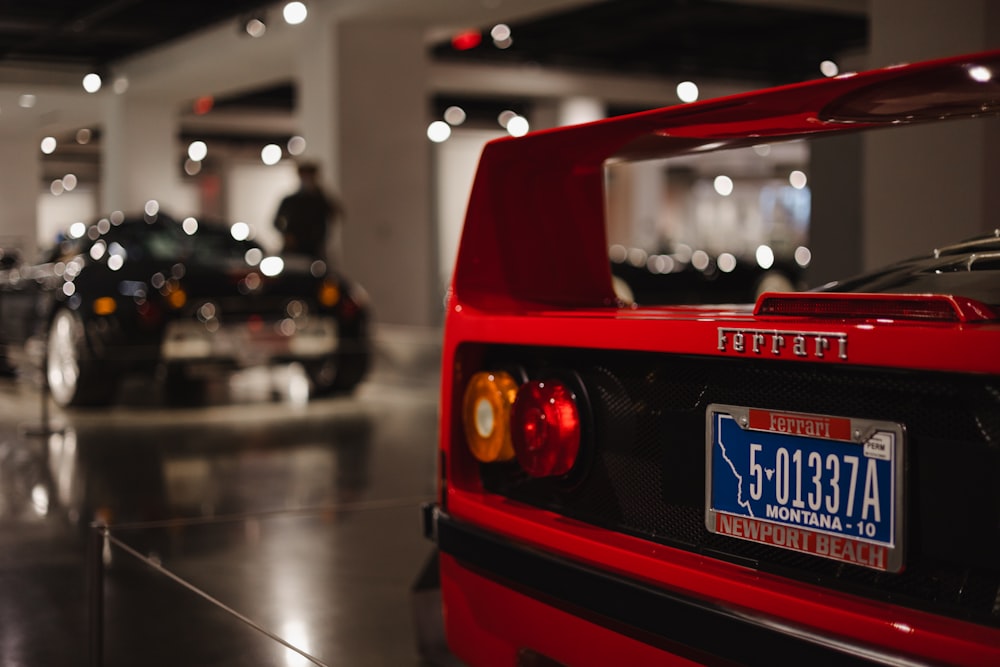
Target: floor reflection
304 516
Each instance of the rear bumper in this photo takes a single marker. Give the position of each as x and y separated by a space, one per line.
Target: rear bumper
246 344
503 599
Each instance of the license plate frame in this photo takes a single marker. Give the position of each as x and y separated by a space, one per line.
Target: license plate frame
824 485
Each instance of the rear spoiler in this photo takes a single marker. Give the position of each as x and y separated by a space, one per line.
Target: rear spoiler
535 234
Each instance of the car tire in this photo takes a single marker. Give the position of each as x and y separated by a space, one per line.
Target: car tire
73 376
338 374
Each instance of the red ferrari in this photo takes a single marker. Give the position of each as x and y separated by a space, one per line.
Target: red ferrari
796 481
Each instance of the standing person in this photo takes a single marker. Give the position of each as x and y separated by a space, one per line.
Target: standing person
305 217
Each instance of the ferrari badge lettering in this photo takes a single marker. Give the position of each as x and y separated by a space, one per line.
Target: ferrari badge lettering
783 343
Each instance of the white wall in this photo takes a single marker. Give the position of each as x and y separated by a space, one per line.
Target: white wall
253 192
57 213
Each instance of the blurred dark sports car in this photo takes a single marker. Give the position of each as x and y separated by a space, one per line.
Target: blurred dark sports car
135 294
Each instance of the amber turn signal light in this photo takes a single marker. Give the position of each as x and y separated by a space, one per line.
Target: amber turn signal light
486 415
105 305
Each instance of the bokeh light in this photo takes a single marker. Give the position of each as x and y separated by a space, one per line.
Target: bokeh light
466 40
240 231
765 257
723 185
48 145
294 13
454 115
296 145
92 82
271 154
197 150
828 68
255 27
438 131
687 91
518 126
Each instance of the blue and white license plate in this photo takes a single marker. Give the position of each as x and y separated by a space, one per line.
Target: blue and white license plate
823 485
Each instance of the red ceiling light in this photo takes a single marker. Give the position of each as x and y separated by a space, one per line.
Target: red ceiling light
545 428
467 39
203 105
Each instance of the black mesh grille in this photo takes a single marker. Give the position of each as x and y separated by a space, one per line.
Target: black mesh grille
645 472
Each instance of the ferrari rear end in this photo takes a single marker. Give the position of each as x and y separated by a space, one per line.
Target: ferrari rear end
811 479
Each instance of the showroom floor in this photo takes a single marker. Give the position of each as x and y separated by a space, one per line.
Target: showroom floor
257 530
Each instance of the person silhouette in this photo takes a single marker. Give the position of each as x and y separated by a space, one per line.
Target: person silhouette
305 217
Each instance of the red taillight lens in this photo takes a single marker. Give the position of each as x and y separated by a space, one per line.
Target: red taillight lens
545 428
486 415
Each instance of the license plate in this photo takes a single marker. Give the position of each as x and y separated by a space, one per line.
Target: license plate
823 485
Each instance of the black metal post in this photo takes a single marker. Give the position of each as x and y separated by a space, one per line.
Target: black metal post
95 566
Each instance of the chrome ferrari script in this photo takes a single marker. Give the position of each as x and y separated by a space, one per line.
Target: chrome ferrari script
783 343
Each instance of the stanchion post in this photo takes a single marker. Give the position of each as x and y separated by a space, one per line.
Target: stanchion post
95 565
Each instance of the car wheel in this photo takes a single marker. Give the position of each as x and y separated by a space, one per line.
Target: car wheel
337 374
74 379
323 375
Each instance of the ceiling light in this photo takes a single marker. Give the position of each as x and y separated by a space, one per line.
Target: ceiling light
296 145
295 13
687 91
255 27
197 150
500 32
438 131
48 145
271 154
723 185
467 39
454 115
92 82
828 68
518 126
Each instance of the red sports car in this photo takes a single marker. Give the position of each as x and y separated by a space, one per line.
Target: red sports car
797 481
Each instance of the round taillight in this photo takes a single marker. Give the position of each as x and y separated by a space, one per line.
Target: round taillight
545 428
486 415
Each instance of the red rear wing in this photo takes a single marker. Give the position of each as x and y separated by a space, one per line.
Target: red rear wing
535 233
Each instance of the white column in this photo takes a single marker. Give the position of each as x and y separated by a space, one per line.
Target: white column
927 186
20 176
317 95
140 156
384 165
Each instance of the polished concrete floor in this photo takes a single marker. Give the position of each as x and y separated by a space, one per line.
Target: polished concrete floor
258 529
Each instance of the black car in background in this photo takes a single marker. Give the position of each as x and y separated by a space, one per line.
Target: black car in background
139 294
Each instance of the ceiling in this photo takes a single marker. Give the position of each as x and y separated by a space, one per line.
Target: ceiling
95 33
768 42
763 41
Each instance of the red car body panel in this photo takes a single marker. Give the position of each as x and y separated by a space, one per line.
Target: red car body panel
533 271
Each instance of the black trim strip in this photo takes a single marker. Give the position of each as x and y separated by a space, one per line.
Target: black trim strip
693 628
